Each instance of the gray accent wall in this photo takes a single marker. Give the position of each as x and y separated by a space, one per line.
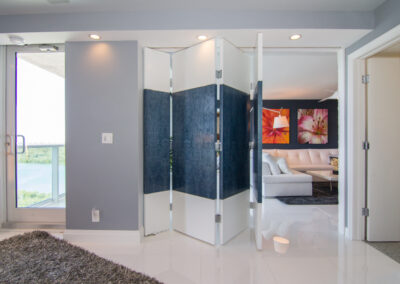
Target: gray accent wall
387 16
102 96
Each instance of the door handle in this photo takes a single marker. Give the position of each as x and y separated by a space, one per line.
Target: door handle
23 144
10 144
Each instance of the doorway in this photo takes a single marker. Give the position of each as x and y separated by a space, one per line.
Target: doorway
35 127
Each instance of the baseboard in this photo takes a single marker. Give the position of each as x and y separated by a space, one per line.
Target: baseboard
33 226
103 236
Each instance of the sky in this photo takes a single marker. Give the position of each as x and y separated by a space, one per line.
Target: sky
40 104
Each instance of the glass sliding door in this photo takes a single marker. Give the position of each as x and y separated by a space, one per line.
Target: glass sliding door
36 135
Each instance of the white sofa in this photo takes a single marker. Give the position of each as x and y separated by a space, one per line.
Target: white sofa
296 184
299 160
303 160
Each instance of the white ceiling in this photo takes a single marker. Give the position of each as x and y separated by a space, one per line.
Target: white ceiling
63 6
299 75
184 38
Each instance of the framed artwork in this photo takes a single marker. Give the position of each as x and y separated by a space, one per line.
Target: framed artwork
312 126
272 135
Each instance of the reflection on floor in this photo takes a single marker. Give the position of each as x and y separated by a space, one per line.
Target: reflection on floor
316 254
391 249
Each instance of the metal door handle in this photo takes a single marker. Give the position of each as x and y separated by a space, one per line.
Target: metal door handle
23 144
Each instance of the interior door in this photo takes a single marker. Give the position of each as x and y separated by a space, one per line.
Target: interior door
35 135
383 92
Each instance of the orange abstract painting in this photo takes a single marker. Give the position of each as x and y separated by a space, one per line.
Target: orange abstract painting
277 135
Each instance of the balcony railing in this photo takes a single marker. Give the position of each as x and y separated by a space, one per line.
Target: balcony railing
37 154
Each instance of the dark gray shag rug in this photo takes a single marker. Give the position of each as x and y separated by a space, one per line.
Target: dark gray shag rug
391 249
321 196
38 257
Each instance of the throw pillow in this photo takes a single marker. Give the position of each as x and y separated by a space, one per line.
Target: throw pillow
266 171
283 166
273 166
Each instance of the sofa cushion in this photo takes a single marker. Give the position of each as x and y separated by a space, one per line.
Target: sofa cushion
283 166
266 171
295 177
304 168
273 165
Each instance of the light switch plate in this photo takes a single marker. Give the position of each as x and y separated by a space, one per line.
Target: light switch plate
95 215
107 138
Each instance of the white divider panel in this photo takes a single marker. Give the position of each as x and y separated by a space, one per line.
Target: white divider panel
235 215
156 204
236 67
258 209
156 70
194 216
236 73
194 67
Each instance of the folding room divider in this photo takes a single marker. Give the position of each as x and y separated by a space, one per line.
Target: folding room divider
210 86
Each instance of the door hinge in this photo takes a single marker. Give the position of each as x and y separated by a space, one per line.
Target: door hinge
253 205
365 145
170 207
218 74
218 218
218 146
365 212
251 145
365 79
170 83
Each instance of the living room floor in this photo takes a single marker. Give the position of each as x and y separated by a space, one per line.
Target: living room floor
316 253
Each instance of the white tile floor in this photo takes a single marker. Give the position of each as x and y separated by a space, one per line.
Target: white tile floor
316 254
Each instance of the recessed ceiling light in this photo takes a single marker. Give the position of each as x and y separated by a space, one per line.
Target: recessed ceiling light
94 36
295 37
202 37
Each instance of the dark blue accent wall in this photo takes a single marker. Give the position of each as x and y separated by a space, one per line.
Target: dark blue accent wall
294 105
156 133
234 119
257 152
194 132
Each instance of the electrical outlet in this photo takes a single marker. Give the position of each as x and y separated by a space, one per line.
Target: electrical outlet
95 215
107 138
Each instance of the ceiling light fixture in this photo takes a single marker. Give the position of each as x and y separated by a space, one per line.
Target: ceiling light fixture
94 36
48 48
14 39
295 37
202 37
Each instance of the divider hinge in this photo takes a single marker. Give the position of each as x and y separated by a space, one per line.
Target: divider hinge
365 212
218 218
170 207
366 145
365 79
218 74
218 146
253 205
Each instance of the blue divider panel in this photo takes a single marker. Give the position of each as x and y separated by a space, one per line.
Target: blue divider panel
235 108
194 137
257 152
156 128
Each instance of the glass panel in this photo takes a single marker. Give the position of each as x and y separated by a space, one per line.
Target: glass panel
40 128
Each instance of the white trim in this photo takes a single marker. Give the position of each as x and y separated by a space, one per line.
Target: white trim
3 202
103 236
355 132
341 62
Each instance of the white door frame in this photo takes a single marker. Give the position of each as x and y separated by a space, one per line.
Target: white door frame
25 215
355 130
